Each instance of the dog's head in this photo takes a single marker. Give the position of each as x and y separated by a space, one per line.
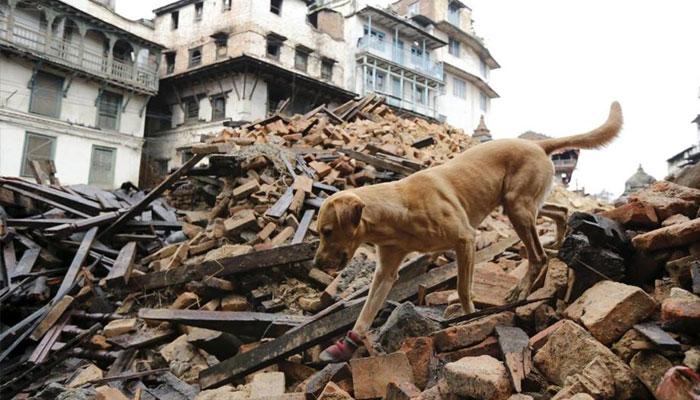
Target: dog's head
338 227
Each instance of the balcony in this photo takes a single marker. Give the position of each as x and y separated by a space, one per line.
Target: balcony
387 50
125 73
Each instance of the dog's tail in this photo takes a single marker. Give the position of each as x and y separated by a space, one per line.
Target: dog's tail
594 139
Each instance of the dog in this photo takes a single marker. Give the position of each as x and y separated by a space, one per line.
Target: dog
439 208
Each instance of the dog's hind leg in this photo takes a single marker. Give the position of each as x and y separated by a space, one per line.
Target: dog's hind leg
523 217
559 215
384 277
465 271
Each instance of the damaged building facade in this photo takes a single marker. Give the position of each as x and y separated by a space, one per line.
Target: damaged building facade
75 81
229 63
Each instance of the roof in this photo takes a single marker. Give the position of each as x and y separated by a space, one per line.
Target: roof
181 3
680 154
473 79
471 40
532 135
405 26
639 179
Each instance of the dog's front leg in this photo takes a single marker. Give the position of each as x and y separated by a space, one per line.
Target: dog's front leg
384 277
465 272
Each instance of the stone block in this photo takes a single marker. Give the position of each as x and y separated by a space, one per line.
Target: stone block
609 309
650 368
267 384
119 327
404 322
570 348
482 378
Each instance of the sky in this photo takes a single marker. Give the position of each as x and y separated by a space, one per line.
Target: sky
564 62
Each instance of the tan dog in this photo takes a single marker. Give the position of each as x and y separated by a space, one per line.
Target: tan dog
439 209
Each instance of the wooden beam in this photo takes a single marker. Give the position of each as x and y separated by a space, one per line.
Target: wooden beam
378 162
303 226
122 265
152 195
78 261
281 255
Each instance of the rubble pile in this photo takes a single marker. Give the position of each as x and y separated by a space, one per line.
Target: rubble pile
209 292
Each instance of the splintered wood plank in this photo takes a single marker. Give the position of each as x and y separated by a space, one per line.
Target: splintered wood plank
303 226
280 207
52 317
514 344
281 255
236 322
78 261
142 204
290 343
378 162
658 336
122 265
143 338
26 263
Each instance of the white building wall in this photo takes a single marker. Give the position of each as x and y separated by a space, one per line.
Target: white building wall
459 112
75 130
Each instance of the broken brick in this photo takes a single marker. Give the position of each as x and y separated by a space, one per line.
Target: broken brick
371 375
482 377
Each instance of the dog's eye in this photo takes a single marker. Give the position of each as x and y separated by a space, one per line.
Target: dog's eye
326 232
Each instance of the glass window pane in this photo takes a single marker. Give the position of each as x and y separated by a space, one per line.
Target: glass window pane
102 166
47 91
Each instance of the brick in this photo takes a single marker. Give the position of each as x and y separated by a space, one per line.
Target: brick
670 236
265 233
322 169
681 311
488 347
283 236
459 336
234 302
401 391
421 356
650 368
90 373
482 377
334 392
679 383
609 309
267 384
595 379
439 298
570 348
184 300
669 199
109 393
240 222
227 250
675 219
371 375
119 327
634 214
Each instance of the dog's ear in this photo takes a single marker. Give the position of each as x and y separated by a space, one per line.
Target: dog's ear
351 211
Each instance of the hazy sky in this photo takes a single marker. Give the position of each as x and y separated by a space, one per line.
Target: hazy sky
563 62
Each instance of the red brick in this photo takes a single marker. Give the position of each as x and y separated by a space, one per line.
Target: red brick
634 214
371 375
421 356
670 236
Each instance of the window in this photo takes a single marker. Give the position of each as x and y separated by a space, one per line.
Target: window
169 62
453 47
273 48
226 4
186 154
413 9
301 60
417 56
47 91
483 102
218 107
276 7
174 19
160 167
198 11
221 46
380 78
459 88
108 110
36 148
420 95
195 57
396 86
102 166
376 38
453 13
483 68
191 109
327 69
